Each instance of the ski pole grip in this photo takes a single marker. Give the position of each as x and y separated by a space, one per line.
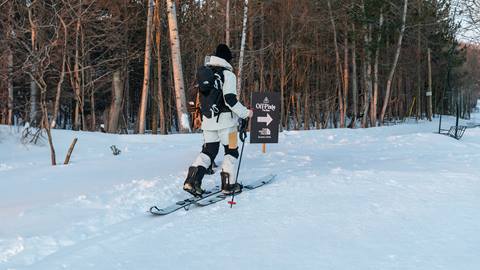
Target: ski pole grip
242 129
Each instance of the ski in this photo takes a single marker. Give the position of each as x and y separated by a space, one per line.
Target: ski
185 204
220 197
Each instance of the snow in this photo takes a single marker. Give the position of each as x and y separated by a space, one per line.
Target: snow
184 121
399 197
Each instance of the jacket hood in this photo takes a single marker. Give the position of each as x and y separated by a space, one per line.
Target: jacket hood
217 62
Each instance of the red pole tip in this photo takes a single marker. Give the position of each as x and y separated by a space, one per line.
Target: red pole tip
231 203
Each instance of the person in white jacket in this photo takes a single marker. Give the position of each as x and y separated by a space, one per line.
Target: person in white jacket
220 128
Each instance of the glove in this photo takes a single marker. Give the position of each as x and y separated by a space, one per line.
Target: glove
242 129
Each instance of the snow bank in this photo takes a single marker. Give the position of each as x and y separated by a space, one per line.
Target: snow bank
399 197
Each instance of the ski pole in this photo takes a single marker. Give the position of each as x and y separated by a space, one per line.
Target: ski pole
243 136
232 202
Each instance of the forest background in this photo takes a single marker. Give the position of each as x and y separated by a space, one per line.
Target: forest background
128 66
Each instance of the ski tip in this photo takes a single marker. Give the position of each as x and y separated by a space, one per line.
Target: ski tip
232 202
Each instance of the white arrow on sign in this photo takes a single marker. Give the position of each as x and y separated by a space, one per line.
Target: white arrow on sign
265 119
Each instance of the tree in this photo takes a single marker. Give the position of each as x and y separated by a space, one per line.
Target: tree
182 115
388 88
158 46
242 48
470 10
146 68
9 53
329 64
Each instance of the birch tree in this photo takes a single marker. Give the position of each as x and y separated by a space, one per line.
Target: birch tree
345 74
373 106
158 46
338 73
43 60
429 93
366 67
34 51
227 23
388 88
146 70
9 52
56 107
242 48
354 79
180 100
116 107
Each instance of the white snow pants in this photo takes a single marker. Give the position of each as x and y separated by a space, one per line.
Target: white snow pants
212 140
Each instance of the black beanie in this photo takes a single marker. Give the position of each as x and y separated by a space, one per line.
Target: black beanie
224 52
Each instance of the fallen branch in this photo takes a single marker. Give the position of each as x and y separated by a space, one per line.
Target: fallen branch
70 150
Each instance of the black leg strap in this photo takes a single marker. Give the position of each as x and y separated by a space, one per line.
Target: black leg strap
231 152
211 150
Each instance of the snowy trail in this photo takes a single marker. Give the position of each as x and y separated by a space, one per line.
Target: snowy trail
396 197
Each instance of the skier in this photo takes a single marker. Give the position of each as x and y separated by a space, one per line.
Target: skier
221 111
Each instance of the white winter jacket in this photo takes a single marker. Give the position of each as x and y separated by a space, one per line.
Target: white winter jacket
226 119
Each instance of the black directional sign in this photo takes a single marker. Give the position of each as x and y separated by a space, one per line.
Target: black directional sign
266 117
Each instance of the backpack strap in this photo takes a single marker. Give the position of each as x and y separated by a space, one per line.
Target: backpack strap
219 71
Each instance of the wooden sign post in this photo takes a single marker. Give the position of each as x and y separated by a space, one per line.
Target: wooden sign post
266 118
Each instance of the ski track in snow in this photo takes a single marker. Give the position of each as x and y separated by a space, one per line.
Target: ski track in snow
397 197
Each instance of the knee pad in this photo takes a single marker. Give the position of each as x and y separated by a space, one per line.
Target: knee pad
231 152
211 150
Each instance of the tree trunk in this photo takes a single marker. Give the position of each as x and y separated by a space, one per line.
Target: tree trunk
45 122
429 93
338 68
419 70
251 79
306 110
298 122
70 151
116 107
242 48
92 108
262 45
10 66
33 84
354 79
283 118
400 100
10 87
373 106
76 80
345 73
127 102
367 74
146 70
53 157
154 112
182 114
394 64
227 23
83 79
159 100
62 76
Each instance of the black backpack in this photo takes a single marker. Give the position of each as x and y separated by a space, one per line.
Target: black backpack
210 85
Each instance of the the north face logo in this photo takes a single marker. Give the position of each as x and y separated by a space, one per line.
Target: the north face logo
266 101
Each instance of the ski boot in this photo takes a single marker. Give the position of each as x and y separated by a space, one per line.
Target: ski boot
229 189
193 183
